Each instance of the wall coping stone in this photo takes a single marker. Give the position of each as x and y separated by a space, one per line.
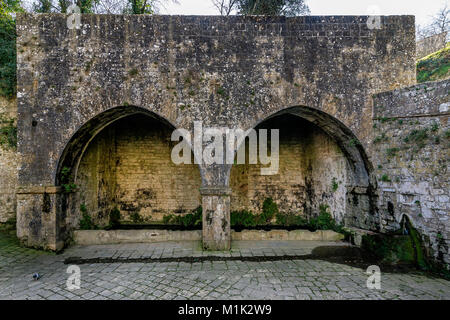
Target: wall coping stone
38 189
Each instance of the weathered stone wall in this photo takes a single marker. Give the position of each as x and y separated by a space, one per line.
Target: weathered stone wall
310 161
431 44
231 71
224 71
128 166
412 158
9 162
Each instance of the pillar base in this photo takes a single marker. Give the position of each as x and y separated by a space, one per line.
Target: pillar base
216 235
39 221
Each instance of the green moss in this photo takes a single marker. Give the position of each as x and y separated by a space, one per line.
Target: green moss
136 217
434 127
390 248
133 72
269 210
324 221
406 247
417 136
354 142
8 133
86 220
189 220
447 133
380 138
220 91
385 178
66 180
243 218
420 258
392 152
334 185
434 66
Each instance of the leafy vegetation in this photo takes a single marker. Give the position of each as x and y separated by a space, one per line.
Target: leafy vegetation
66 180
269 210
272 7
417 135
86 220
8 133
392 152
291 219
114 218
435 66
8 47
243 218
334 184
247 219
189 220
323 221
136 217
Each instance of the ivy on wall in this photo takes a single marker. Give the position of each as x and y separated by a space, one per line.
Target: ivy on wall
8 8
8 133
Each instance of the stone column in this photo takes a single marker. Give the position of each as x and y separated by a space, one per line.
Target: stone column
40 220
216 218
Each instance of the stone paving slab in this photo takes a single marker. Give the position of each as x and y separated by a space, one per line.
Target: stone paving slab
290 279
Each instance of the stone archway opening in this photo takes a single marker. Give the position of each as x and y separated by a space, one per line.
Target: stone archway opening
322 166
126 165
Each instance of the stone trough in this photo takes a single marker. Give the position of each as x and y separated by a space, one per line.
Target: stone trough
92 237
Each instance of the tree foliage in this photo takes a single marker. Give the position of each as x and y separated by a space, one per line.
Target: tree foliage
47 6
440 23
98 6
8 9
262 7
273 7
140 7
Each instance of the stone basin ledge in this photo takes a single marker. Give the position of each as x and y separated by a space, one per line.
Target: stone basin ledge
91 237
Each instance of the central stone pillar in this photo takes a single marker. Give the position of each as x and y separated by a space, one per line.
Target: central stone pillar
216 218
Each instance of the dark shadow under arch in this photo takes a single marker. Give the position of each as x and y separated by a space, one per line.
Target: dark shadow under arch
361 198
78 143
344 137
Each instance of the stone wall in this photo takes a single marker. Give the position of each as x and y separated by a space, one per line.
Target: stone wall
412 159
224 71
228 71
9 163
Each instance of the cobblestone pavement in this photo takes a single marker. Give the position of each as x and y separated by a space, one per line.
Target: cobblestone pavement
286 279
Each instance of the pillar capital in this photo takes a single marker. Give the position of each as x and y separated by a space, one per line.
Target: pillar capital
215 191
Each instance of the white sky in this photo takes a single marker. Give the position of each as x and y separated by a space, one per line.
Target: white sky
422 9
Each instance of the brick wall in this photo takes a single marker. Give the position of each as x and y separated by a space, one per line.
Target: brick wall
128 165
309 160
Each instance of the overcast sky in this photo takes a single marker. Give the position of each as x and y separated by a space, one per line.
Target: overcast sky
422 9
